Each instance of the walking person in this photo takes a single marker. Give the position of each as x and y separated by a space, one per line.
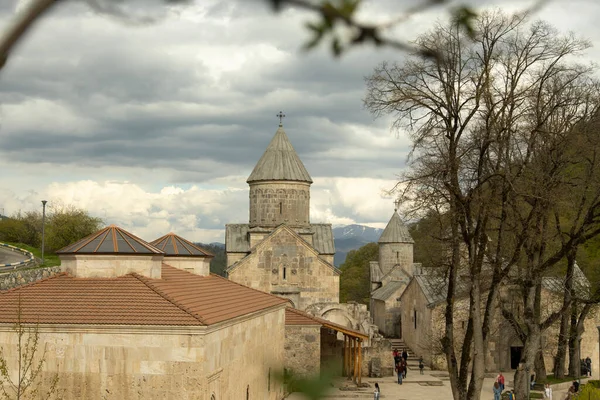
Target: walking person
548 392
421 365
588 365
405 359
376 393
500 380
497 391
400 371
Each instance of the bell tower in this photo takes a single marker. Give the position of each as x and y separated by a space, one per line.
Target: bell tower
279 186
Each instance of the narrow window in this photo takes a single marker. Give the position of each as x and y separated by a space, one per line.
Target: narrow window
415 318
269 381
248 392
284 273
280 208
397 255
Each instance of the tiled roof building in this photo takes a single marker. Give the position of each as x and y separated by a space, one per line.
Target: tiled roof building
115 323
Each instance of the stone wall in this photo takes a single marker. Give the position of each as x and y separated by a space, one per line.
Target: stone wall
391 254
274 203
418 337
303 349
377 358
285 266
110 266
247 356
17 278
195 265
171 363
378 313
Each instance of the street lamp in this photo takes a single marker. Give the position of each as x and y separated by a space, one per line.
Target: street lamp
43 227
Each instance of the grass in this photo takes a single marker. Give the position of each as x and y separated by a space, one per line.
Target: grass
50 260
551 380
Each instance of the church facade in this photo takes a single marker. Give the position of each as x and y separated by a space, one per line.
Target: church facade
280 251
390 276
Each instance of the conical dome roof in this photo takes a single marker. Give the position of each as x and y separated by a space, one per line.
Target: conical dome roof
174 245
110 240
396 231
279 162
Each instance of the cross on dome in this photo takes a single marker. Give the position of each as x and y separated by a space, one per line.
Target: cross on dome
396 204
281 116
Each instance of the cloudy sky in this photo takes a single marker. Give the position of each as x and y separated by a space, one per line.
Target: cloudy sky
156 126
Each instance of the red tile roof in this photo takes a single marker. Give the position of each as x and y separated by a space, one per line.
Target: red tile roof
178 298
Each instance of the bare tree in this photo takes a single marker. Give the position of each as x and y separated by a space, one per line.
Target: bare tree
30 358
492 122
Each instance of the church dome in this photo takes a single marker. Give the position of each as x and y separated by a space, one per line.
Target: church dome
175 246
279 162
396 231
110 240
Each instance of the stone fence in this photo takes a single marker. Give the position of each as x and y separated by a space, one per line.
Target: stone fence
12 279
29 260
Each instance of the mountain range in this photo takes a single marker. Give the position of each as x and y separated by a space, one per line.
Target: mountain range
352 237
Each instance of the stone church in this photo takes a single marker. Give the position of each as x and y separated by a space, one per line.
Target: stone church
390 275
280 251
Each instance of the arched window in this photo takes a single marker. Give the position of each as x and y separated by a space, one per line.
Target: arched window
280 208
248 392
284 273
269 381
213 397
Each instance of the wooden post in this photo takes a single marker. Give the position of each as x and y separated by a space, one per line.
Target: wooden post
356 361
344 369
352 352
359 361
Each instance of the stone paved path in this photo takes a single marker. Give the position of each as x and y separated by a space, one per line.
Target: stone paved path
415 387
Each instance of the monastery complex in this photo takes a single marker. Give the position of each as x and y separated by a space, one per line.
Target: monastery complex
130 319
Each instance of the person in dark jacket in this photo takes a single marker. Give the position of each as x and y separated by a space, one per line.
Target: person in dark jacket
405 359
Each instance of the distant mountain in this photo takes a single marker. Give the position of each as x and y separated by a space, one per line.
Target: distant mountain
357 231
352 237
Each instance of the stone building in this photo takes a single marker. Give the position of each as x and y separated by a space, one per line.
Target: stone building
120 323
280 251
423 307
390 275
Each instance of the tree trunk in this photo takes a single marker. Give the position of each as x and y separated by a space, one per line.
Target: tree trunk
574 367
540 366
563 335
531 344
563 341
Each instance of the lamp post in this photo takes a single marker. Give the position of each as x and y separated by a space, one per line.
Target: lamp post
43 227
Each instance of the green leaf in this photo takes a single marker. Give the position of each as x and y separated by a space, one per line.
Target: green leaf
465 16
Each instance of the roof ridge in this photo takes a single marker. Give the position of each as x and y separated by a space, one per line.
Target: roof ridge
146 281
34 283
248 287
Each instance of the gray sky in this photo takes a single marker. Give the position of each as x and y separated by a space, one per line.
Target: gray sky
155 127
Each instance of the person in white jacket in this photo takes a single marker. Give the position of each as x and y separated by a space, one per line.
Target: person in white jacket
548 392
